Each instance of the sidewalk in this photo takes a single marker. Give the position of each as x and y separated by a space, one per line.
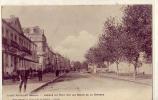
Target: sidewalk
140 79
13 87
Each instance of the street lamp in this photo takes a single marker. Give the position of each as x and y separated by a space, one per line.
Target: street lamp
56 62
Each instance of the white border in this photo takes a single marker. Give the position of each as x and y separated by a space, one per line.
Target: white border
155 55
73 2
96 2
0 56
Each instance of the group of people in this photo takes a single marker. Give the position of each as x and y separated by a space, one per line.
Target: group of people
23 76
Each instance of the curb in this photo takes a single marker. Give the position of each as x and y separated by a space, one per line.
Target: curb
45 84
126 80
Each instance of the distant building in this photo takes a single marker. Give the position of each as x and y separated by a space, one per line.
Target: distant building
37 36
50 62
61 63
18 51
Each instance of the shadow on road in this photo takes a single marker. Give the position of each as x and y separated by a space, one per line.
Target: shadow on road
72 76
130 75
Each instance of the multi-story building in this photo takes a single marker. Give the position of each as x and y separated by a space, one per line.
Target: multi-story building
50 63
53 60
62 63
34 57
37 36
18 51
48 58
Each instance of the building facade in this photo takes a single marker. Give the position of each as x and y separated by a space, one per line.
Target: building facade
62 63
50 62
18 51
37 36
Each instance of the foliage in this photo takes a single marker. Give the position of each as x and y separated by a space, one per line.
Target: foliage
137 20
125 40
94 55
77 65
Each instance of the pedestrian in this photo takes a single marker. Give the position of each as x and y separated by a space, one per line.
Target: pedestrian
23 79
40 75
57 73
30 70
14 75
18 75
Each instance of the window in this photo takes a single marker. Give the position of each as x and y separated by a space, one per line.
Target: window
19 40
27 30
11 34
15 38
26 45
15 22
12 61
7 32
22 42
2 30
3 33
6 59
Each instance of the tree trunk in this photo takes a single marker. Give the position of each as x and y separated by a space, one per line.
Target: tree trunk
3 68
117 68
135 70
129 68
135 67
108 63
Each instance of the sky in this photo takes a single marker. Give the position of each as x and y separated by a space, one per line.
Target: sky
71 29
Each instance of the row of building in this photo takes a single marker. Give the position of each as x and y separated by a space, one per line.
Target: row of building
25 48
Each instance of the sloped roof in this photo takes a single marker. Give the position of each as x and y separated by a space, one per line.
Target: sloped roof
15 23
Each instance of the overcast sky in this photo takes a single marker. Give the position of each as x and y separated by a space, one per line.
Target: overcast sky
70 30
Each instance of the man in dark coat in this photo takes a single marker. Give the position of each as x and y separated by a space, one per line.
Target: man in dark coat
14 74
57 73
23 79
40 74
31 71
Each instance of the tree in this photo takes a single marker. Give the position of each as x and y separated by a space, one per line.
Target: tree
85 65
124 41
94 55
112 42
77 65
137 21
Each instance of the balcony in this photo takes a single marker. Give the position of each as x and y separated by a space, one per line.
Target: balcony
26 50
14 44
5 41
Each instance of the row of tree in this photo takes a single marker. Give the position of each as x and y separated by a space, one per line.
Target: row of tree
80 65
124 40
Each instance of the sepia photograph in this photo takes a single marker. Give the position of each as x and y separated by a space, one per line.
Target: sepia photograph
77 52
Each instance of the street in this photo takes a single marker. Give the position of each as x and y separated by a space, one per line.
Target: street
84 83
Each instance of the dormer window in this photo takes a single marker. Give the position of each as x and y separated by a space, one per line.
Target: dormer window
7 32
15 22
3 31
15 38
11 36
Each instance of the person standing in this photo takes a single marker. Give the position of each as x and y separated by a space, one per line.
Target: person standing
18 75
14 75
23 79
57 73
40 75
31 71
